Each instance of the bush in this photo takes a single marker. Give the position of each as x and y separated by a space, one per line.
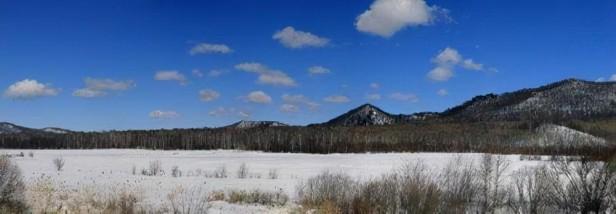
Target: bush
175 172
58 163
328 188
272 174
12 188
188 201
31 154
242 172
278 198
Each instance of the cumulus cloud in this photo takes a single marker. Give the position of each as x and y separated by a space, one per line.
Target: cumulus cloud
160 114
373 96
442 92
404 97
171 75
300 100
29 89
258 97
291 38
206 48
208 95
101 87
386 17
337 99
317 70
289 108
266 75
447 60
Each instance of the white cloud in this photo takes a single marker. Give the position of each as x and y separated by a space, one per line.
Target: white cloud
337 99
375 85
404 97
442 92
160 114
470 65
291 38
446 62
374 96
316 70
29 89
100 87
386 17
289 108
299 99
208 95
440 74
258 97
88 93
205 48
171 75
266 75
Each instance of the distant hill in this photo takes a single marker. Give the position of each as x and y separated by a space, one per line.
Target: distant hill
564 100
9 128
245 124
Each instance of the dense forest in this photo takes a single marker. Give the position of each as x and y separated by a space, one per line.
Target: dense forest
496 137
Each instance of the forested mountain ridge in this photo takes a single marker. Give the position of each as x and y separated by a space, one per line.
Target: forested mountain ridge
570 99
581 113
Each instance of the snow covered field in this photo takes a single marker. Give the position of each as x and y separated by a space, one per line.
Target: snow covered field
112 169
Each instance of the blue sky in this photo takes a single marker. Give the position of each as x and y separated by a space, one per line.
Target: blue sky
116 65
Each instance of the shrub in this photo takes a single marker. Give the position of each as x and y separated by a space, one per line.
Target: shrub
175 172
12 188
31 154
58 163
272 174
221 172
188 201
327 187
278 198
242 172
155 168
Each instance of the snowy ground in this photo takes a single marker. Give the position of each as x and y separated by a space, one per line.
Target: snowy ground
112 169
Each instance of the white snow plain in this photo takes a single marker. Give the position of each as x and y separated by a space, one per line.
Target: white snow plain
113 168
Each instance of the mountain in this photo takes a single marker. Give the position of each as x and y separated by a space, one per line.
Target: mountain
56 130
366 115
564 100
245 124
9 128
555 135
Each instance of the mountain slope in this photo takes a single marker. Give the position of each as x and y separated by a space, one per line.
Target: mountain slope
9 128
363 115
564 100
245 124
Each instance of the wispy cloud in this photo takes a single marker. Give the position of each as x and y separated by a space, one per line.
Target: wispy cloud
318 70
337 99
300 100
291 38
258 97
160 114
100 87
266 75
207 48
208 95
29 89
170 75
404 97
442 92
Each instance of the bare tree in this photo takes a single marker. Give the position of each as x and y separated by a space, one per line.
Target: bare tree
580 186
527 191
12 188
490 174
58 163
459 184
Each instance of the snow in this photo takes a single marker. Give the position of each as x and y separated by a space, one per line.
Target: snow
110 169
